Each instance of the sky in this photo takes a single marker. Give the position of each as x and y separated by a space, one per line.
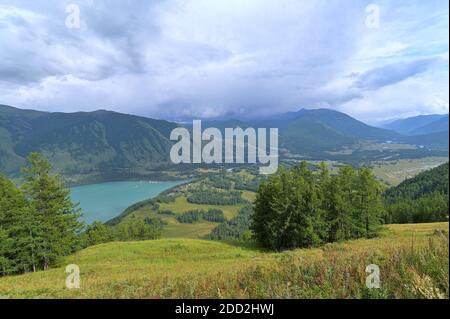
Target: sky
374 60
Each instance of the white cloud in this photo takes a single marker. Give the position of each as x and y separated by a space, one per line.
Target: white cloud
209 58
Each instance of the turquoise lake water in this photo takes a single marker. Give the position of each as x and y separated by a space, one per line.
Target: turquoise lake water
102 202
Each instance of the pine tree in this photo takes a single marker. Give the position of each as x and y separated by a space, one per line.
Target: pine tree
369 205
299 208
342 204
324 195
53 221
12 209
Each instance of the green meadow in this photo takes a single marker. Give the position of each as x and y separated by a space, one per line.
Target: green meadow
413 261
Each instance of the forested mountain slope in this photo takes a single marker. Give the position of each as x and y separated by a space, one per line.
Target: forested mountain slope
80 143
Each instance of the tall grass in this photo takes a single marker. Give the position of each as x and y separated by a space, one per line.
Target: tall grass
413 262
406 272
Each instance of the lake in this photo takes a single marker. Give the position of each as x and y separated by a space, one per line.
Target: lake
104 201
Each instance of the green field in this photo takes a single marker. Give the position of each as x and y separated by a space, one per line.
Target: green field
175 229
413 261
395 172
179 204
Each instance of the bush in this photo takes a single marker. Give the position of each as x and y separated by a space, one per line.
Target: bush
97 233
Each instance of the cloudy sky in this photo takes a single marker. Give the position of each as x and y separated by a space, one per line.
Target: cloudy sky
374 60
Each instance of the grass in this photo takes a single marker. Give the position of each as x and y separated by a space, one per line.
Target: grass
413 260
175 229
181 205
394 172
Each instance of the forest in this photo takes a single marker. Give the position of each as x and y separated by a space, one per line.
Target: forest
301 206
423 198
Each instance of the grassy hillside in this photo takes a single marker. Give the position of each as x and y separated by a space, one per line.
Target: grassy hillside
413 261
395 172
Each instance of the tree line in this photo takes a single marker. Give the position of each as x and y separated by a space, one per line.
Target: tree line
301 208
215 197
193 216
423 198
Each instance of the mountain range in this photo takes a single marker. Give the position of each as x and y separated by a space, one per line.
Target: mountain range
420 125
82 143
105 142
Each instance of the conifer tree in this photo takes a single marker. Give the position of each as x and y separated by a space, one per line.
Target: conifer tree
54 218
369 205
12 210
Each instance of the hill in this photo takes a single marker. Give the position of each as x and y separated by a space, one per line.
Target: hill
83 143
423 198
186 268
408 125
428 182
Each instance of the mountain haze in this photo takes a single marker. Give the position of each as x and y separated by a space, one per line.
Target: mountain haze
417 125
439 125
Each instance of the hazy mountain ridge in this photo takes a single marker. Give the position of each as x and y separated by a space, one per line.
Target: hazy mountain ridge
420 125
440 125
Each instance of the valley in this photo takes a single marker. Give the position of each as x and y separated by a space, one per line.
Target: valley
233 150
199 216
104 146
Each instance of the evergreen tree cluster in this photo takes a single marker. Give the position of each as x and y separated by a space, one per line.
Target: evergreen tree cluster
300 208
128 230
237 228
214 215
215 197
38 221
423 198
193 216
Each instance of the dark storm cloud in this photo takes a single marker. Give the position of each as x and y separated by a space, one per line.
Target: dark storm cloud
180 59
